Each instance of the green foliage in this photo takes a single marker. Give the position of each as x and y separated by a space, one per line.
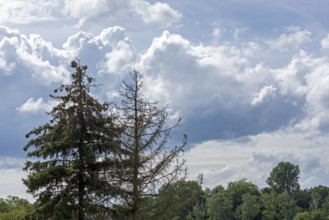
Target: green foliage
71 156
220 205
280 206
303 198
180 200
14 208
311 215
250 207
318 196
284 178
237 189
239 201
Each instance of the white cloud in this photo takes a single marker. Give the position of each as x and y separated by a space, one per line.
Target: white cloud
112 50
292 77
263 93
186 75
34 55
36 106
295 39
157 13
23 12
88 9
120 59
7 68
82 44
212 82
215 79
325 42
112 36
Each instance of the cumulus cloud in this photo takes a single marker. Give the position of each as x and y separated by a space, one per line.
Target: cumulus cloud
180 70
121 57
33 54
263 93
230 84
36 106
294 39
233 90
216 86
112 51
158 13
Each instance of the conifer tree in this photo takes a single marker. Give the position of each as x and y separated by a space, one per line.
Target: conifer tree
150 163
70 158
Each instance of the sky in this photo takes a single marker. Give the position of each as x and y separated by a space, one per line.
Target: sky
250 78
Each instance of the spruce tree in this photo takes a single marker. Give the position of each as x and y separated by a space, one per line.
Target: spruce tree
150 162
70 158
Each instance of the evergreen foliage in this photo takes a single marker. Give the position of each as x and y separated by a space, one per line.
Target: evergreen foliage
71 157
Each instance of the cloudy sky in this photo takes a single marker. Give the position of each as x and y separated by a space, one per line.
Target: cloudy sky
250 78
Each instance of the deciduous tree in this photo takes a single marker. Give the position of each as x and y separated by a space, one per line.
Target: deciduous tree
250 207
15 208
180 199
237 189
220 205
278 206
284 178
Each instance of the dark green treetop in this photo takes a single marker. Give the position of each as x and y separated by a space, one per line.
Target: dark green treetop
71 157
284 178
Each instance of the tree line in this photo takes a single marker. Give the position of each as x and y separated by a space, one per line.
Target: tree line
109 161
282 199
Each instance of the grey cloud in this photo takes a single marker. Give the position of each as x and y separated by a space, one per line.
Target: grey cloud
11 163
217 91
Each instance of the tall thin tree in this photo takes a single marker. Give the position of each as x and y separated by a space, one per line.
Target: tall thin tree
150 163
70 157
